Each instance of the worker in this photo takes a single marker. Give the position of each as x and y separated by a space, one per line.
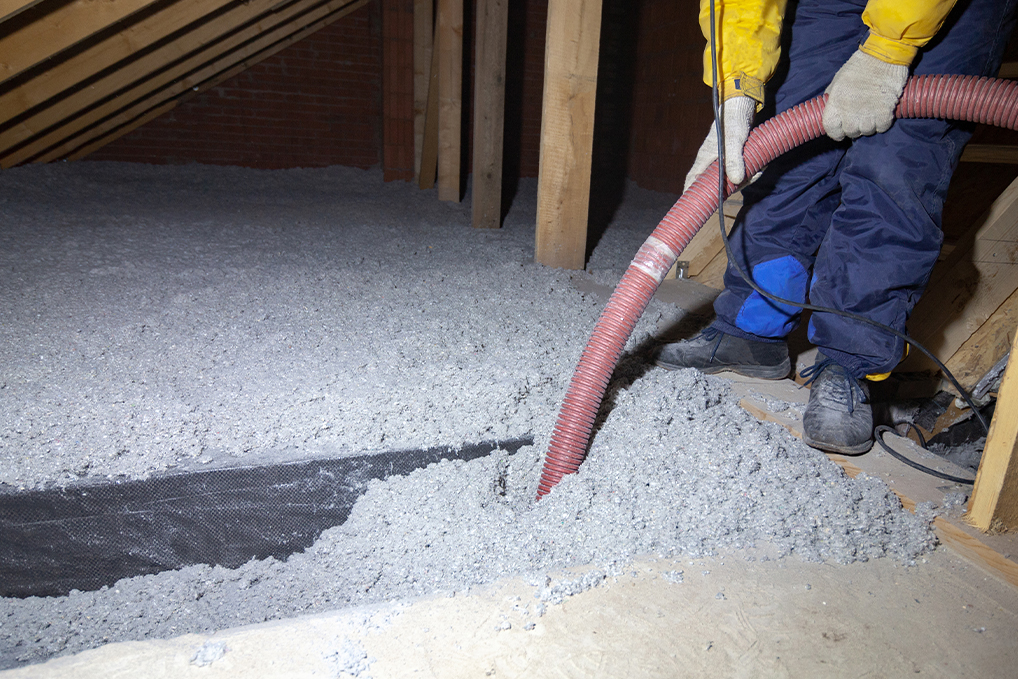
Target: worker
851 219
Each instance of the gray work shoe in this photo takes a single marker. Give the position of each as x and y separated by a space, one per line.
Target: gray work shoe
839 417
713 351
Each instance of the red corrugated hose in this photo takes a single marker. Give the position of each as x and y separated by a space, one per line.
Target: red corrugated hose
963 98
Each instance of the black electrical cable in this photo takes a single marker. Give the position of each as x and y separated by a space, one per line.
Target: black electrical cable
879 434
716 104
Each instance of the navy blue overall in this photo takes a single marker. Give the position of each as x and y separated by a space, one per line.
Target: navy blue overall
862 215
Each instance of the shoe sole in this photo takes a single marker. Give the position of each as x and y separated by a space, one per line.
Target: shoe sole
762 372
833 448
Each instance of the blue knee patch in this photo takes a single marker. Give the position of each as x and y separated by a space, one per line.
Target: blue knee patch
785 277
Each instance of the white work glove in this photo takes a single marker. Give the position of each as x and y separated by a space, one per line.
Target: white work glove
862 97
737 115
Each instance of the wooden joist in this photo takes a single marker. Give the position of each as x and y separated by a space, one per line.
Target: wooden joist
67 24
567 131
489 112
155 92
424 35
449 43
994 500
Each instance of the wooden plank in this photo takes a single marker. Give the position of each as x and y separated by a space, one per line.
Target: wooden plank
489 112
72 113
990 153
1008 70
985 347
63 27
208 77
567 131
429 149
994 499
424 34
978 276
450 95
12 8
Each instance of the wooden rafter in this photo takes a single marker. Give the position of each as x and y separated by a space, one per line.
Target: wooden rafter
142 85
214 73
12 8
43 93
65 26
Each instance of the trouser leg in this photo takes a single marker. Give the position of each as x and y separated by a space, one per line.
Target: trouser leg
787 211
885 235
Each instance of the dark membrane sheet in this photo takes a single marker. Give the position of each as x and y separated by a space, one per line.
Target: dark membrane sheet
88 536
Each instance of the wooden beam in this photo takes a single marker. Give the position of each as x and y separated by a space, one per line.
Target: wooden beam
977 277
424 36
66 115
567 131
429 148
489 112
64 26
12 8
994 500
449 44
150 94
990 153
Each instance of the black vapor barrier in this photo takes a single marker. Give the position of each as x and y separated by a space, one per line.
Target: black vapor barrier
86 536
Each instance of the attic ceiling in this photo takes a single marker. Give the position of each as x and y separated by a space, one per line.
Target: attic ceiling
77 74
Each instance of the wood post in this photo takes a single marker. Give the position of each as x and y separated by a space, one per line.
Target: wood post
489 112
567 131
429 145
450 95
424 36
994 501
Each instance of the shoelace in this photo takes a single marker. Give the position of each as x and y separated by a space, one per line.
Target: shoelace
709 334
814 371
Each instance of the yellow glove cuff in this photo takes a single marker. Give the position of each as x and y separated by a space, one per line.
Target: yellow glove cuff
888 50
742 85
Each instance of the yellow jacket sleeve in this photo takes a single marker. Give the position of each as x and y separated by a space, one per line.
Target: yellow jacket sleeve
749 44
750 37
898 28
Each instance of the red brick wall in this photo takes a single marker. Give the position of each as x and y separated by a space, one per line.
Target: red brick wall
314 104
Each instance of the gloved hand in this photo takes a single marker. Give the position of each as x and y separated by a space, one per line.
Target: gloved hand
738 117
862 96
